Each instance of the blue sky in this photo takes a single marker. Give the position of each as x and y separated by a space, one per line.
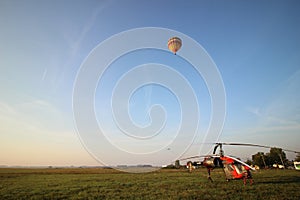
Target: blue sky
254 44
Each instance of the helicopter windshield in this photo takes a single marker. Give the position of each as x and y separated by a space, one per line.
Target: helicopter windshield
239 168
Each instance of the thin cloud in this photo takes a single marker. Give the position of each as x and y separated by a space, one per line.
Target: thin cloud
75 45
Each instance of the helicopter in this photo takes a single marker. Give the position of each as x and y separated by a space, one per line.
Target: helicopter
233 167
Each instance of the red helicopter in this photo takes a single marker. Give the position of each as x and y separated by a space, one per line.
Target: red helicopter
233 167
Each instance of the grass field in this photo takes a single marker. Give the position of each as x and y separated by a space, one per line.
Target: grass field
95 183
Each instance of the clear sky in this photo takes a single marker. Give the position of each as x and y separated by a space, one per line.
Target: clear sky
254 44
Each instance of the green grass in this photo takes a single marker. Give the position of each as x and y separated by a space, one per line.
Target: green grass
162 184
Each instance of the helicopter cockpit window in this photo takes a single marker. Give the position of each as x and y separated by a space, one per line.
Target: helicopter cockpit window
238 167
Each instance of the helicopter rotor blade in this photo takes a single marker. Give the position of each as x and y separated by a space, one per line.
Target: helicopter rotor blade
254 145
234 144
189 157
201 156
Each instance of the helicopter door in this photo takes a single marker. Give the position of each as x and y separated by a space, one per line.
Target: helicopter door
228 169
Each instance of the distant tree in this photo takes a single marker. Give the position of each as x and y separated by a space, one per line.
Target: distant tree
249 162
259 159
177 164
276 156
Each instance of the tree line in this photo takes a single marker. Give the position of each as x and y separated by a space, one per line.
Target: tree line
275 156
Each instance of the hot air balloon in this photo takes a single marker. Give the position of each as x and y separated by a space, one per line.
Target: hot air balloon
174 44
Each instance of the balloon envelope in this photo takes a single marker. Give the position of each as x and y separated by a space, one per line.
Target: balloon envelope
174 44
